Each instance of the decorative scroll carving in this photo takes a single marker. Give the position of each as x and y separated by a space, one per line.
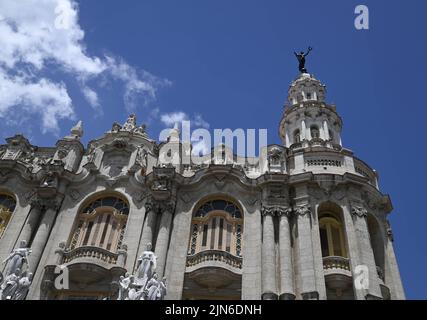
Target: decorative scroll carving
359 211
129 126
303 210
276 211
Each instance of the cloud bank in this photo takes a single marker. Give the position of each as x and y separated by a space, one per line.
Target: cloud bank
38 36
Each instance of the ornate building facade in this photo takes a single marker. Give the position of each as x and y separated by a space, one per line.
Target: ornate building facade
308 225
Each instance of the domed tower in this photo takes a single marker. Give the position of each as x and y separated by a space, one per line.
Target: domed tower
308 119
343 240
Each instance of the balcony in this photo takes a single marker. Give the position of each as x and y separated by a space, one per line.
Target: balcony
94 255
336 265
213 273
214 258
338 276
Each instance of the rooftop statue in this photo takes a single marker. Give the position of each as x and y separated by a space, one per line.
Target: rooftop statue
301 59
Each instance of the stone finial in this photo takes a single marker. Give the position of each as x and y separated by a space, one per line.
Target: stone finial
130 123
77 130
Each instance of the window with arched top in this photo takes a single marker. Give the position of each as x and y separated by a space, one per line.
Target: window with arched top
332 237
101 223
314 131
297 136
7 206
217 225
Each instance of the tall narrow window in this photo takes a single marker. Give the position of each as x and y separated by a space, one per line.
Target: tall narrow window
315 133
7 206
297 136
331 236
221 228
213 230
101 224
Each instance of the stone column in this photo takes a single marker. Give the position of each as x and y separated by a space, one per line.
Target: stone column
148 229
353 247
326 130
268 254
287 291
366 254
42 234
162 241
306 269
303 130
392 274
31 222
149 225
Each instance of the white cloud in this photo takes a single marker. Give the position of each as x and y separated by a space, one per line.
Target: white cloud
170 119
91 97
39 35
200 145
196 121
49 100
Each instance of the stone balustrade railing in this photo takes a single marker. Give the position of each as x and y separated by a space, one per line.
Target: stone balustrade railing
323 162
336 263
214 255
91 253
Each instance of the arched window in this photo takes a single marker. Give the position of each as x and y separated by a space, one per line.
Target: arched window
297 136
332 237
7 206
315 133
101 224
217 225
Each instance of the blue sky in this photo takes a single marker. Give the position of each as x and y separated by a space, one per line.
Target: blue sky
228 64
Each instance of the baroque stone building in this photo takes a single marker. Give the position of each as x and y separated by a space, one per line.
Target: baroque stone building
309 222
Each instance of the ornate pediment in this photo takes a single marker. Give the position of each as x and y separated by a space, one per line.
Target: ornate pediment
115 164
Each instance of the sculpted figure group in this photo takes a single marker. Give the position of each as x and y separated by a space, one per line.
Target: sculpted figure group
16 280
145 285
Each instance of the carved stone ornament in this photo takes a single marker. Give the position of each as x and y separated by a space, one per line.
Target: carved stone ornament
276 211
167 206
150 205
303 210
144 284
359 211
274 155
389 231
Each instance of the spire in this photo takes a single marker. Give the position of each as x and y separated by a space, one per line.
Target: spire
76 131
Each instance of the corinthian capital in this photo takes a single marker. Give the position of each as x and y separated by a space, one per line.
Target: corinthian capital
303 210
276 211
